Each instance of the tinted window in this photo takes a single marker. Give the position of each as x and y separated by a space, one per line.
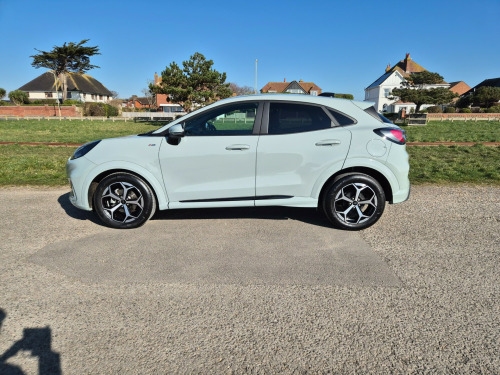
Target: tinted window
341 118
236 119
287 118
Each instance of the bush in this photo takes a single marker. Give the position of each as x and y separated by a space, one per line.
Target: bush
465 110
44 102
344 96
450 110
72 102
435 109
99 109
18 97
494 109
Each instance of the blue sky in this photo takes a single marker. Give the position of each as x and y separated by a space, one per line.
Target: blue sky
342 46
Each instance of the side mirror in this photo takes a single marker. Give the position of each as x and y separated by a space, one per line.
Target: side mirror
176 131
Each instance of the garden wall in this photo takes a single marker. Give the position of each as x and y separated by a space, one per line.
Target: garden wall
463 116
45 110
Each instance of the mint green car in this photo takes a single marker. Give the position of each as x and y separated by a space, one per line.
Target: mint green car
337 155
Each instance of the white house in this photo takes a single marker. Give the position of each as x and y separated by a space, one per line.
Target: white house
380 90
81 87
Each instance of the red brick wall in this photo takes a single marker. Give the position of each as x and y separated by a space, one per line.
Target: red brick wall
462 116
46 110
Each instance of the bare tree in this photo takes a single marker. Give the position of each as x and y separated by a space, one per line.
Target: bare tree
241 90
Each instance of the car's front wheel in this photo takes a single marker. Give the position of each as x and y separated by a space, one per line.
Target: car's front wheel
124 201
354 202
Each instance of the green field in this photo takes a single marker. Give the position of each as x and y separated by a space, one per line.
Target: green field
456 131
45 166
68 131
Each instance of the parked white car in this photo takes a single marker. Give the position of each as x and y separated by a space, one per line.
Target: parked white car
337 155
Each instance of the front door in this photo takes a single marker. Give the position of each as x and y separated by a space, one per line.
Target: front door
215 160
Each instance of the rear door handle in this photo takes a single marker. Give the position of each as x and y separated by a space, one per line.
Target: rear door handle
238 147
328 142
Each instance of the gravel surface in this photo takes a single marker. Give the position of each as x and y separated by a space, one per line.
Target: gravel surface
438 313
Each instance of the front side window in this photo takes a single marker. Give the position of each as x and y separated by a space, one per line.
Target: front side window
285 118
237 119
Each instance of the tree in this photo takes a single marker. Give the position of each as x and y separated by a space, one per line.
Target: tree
2 93
18 97
414 89
241 90
197 84
70 57
486 96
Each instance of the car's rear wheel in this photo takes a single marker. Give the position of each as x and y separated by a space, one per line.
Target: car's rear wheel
124 201
354 202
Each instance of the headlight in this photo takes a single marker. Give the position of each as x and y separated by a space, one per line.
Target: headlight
83 150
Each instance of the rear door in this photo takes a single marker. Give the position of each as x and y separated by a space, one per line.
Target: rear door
298 144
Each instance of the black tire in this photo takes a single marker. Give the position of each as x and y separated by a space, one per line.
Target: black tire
124 201
354 202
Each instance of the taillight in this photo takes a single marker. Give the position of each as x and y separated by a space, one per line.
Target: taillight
397 136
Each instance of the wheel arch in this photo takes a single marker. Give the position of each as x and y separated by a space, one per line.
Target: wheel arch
381 179
153 185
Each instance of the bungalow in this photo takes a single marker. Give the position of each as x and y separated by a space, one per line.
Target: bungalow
294 87
81 87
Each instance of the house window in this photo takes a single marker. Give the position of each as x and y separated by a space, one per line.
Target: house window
314 93
295 91
68 96
93 96
387 93
100 97
48 95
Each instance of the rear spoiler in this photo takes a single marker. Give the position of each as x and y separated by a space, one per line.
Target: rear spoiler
364 105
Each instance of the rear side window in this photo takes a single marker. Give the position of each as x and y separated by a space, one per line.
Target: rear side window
341 118
286 118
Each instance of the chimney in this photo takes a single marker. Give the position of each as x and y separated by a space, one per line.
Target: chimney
408 56
388 68
156 79
284 79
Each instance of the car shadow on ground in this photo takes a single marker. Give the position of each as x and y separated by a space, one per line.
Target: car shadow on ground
74 212
306 215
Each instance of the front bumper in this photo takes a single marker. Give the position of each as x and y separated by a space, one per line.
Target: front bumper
77 171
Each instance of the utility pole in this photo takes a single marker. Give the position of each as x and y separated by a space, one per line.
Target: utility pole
256 76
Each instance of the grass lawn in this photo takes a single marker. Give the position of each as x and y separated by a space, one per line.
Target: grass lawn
33 165
45 166
440 164
69 131
456 131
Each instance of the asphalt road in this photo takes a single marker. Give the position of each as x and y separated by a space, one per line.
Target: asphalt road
272 290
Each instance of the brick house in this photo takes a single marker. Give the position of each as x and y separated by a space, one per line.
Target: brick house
294 87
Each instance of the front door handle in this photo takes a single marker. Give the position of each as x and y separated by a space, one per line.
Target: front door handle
238 147
328 142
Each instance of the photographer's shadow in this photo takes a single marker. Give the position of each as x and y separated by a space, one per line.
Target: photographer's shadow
38 342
